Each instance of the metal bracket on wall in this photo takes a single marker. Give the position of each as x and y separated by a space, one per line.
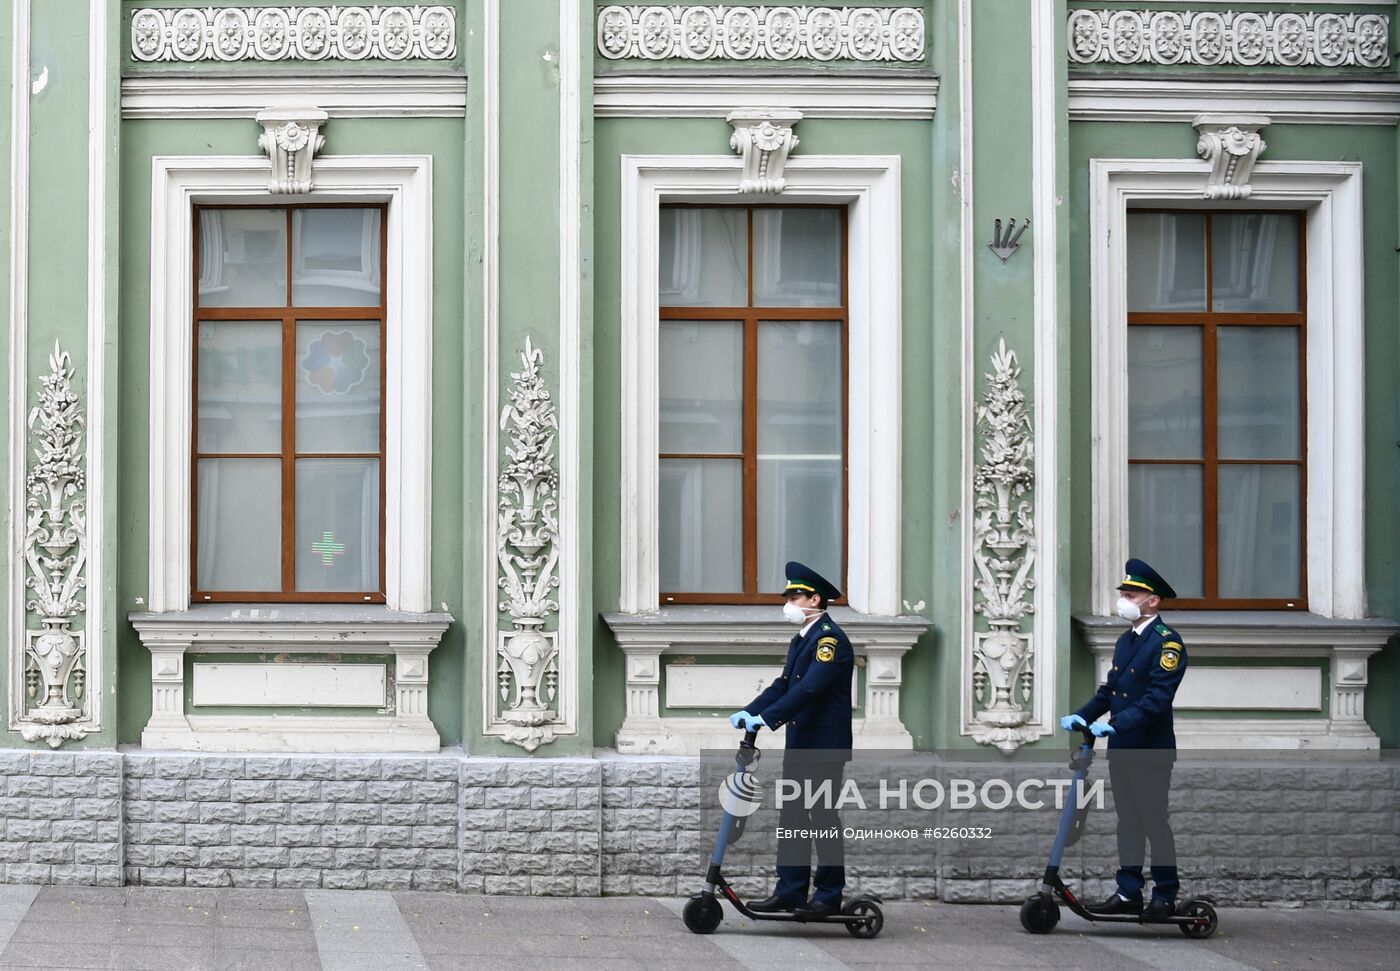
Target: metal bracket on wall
1004 245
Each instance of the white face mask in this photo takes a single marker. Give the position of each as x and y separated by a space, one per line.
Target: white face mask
794 613
1128 610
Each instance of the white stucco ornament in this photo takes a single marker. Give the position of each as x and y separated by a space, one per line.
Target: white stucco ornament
55 554
1210 37
764 137
527 534
291 138
1231 144
300 33
1003 532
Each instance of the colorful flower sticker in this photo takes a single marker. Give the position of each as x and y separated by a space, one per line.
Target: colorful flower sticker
336 362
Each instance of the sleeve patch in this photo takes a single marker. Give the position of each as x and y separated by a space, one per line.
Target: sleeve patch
1170 660
825 652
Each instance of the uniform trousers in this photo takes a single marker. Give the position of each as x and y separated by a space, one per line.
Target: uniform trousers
821 775
1141 784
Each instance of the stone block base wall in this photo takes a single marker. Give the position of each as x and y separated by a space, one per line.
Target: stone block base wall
1248 834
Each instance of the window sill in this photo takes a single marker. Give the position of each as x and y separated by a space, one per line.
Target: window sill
702 631
1283 706
393 698
1278 633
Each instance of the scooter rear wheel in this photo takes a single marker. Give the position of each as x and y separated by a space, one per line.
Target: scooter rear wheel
1206 921
1040 914
702 914
868 909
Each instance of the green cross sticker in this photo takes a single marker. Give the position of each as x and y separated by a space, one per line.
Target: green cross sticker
328 548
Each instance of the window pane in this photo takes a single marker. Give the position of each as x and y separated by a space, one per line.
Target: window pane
704 257
337 524
240 525
1165 510
702 525
800 502
240 386
243 258
702 386
1259 402
1254 262
799 387
1164 401
1166 261
335 259
1260 531
338 386
799 516
796 257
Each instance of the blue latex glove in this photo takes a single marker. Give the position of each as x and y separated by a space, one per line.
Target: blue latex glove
737 719
1100 729
1069 721
754 722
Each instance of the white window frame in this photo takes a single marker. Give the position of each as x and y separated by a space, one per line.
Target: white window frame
1330 194
869 185
405 182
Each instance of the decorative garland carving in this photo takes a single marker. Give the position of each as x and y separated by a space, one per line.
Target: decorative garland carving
527 531
1214 38
1003 533
350 33
55 553
751 33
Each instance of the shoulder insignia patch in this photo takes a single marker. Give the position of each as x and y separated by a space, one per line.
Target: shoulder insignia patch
1164 630
826 627
1169 660
825 652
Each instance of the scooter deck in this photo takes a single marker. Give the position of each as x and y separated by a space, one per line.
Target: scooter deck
837 918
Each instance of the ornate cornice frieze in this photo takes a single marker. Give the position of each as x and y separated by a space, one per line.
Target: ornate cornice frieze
297 33
694 32
527 538
1169 37
1004 548
55 554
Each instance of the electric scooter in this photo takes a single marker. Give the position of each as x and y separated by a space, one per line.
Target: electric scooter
861 915
1195 916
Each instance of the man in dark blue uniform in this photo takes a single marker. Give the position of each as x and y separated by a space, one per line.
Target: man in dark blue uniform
1148 664
812 699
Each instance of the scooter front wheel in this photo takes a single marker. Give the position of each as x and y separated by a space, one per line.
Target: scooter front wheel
874 918
1205 922
702 914
1040 914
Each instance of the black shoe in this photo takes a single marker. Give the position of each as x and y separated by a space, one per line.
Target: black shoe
1159 909
817 909
1116 904
774 905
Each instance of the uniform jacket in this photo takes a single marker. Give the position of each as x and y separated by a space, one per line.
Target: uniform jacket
1141 684
812 696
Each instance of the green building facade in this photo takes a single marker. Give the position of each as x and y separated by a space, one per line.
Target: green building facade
454 379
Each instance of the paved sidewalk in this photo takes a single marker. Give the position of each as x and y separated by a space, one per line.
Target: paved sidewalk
349 930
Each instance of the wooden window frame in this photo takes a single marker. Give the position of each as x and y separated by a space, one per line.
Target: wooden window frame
749 317
1209 321
288 316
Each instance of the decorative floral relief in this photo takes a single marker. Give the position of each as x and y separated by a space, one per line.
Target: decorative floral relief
1212 38
294 33
527 533
55 552
779 33
1003 535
